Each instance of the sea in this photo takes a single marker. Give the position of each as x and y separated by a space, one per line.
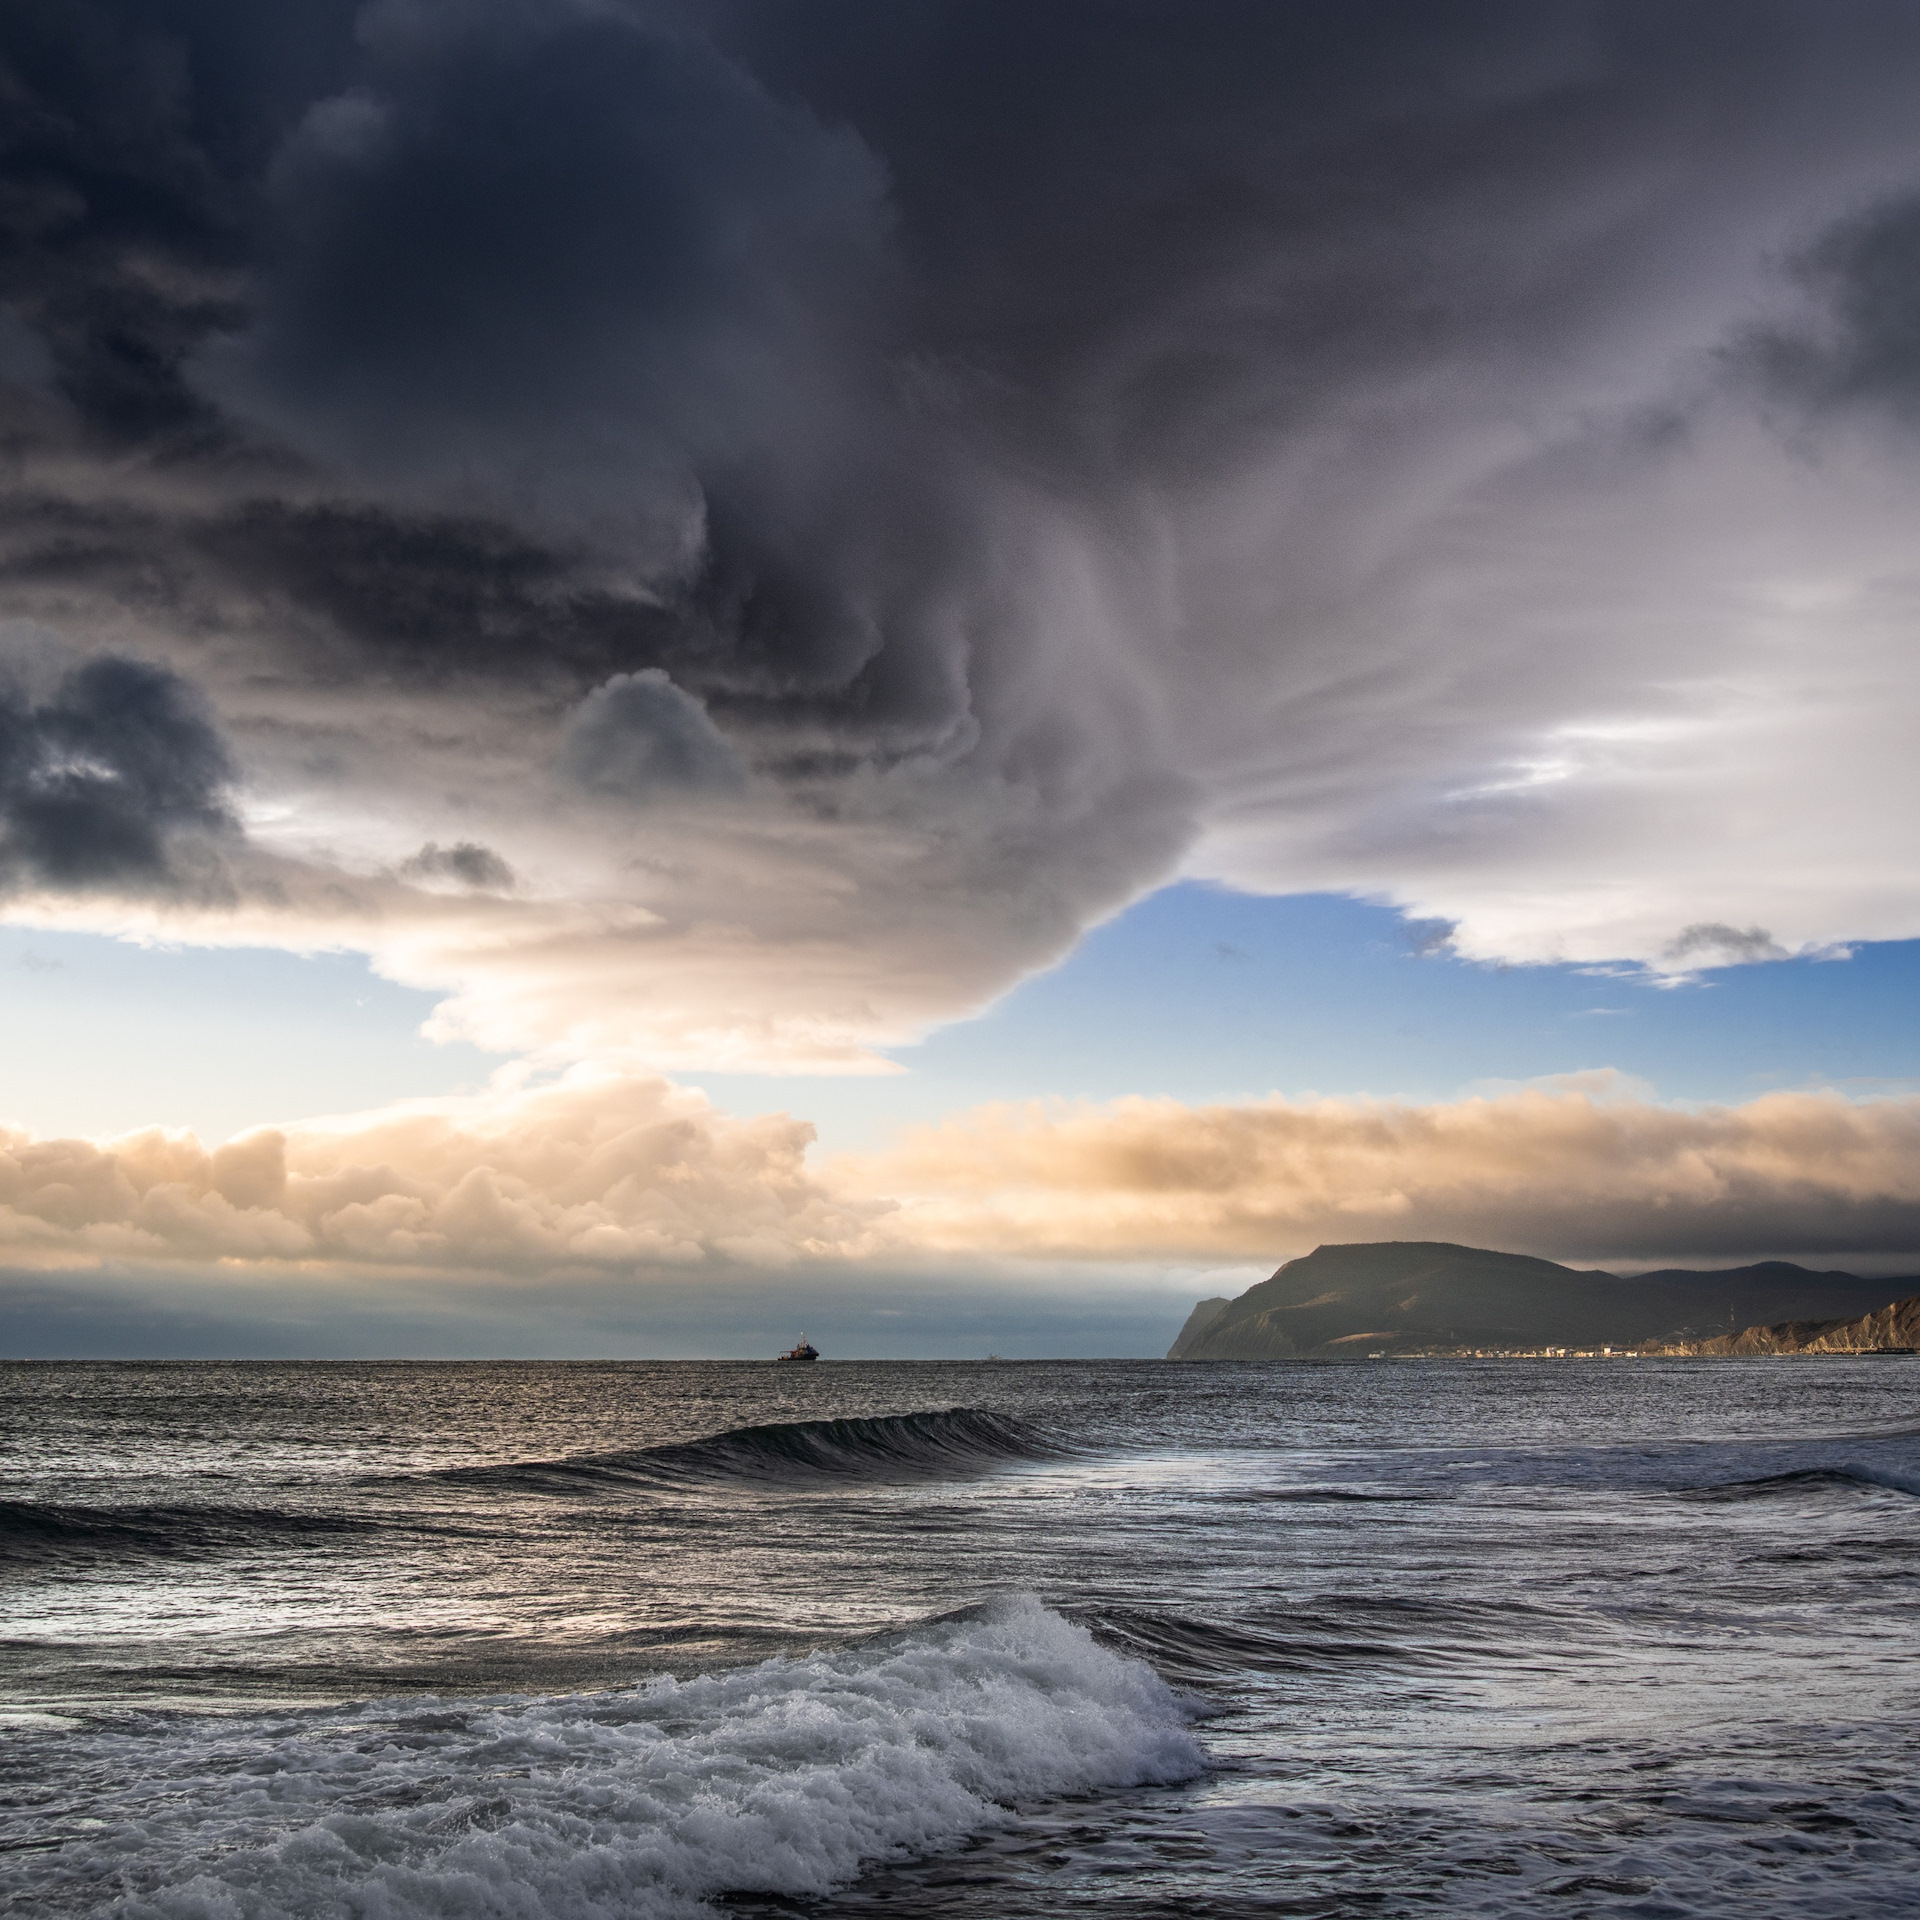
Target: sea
1001 1640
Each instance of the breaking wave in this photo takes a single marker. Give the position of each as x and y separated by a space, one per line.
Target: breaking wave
878 1447
959 1440
784 1778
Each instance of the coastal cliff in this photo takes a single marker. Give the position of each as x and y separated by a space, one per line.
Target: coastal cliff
1428 1296
1198 1321
1895 1328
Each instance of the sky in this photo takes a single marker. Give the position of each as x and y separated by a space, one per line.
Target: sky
942 674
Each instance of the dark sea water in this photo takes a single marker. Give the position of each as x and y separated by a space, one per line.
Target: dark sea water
553 1642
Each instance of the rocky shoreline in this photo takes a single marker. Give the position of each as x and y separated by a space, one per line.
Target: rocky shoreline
1895 1328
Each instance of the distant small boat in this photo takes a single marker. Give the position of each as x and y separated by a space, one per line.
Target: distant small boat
804 1355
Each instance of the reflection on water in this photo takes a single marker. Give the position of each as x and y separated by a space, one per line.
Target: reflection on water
1450 1636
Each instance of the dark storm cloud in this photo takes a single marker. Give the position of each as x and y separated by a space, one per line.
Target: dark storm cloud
749 293
540 226
98 783
515 277
1862 349
1018 446
132 135
1167 232
421 596
559 267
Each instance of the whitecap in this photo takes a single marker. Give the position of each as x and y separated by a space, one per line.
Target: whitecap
786 1777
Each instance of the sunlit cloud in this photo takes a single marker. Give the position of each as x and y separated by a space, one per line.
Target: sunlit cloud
1585 1168
592 1174
600 1174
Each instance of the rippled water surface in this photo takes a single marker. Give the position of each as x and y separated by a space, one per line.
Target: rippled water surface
987 1640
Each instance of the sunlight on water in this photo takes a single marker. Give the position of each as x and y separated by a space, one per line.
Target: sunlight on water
1450 1637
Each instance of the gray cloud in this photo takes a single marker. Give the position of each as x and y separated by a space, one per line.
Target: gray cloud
135 135
640 736
464 864
99 783
1045 445
1861 348
544 257
1424 937
25 361
1712 941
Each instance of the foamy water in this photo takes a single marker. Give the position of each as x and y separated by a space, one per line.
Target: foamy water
959 1642
787 1776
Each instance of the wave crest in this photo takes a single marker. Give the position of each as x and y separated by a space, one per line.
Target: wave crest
783 1778
954 1440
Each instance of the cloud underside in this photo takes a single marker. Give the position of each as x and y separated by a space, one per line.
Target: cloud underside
610 1175
725 542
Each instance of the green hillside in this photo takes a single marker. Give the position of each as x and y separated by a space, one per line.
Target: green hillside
1401 1295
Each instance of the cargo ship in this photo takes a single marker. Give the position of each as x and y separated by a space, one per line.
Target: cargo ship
803 1355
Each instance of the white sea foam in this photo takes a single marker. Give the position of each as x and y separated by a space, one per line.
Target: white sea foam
783 1777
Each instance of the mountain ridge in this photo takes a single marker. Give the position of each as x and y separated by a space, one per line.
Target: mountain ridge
1436 1296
